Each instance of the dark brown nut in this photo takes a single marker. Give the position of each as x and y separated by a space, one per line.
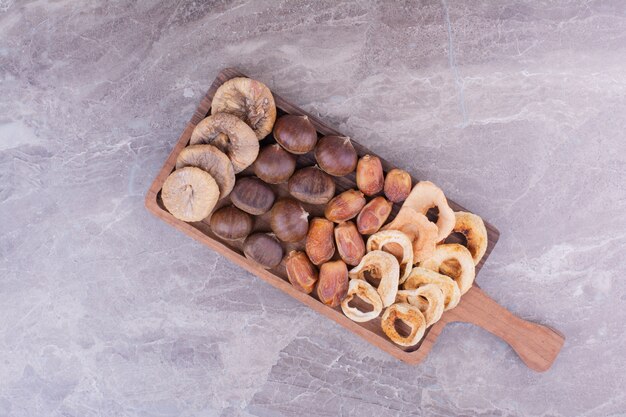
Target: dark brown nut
373 216
336 155
274 165
333 283
288 220
264 249
300 271
312 185
369 175
397 185
344 206
349 243
295 133
320 240
230 223
252 196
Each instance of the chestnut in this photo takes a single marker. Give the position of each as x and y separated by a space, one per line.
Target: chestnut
295 133
369 175
274 165
312 185
320 241
397 185
350 243
344 206
335 155
264 249
230 223
332 286
252 196
300 271
288 220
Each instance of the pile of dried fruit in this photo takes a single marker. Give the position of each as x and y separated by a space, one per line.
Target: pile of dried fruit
404 269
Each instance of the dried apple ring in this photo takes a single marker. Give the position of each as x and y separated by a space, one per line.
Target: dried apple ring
409 315
362 289
473 228
422 232
421 276
455 261
426 195
428 298
190 194
382 266
396 243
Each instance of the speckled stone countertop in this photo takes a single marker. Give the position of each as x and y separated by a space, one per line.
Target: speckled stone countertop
516 109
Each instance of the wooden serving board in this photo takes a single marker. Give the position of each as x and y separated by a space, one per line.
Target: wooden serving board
536 345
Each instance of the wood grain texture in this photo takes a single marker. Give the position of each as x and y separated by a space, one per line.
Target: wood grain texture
536 345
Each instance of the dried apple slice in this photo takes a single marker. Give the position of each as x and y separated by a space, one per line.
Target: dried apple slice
409 315
383 266
398 244
473 228
367 293
428 298
419 229
426 195
421 276
455 261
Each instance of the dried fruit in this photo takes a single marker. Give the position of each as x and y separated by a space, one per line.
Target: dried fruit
473 228
367 293
344 206
396 243
373 215
419 229
288 220
211 160
369 175
320 241
230 223
421 276
426 195
264 249
190 194
382 267
252 196
411 316
274 165
428 298
300 271
231 136
312 185
349 243
455 261
332 286
335 155
397 185
295 133
250 100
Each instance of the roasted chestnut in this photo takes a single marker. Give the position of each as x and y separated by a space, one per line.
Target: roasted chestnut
350 244
336 155
274 165
397 185
344 206
320 240
300 271
332 286
373 216
252 196
264 249
295 133
369 175
230 223
288 220
312 185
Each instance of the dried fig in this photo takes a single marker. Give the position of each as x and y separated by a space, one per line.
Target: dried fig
335 155
349 243
252 196
332 286
373 215
230 223
397 185
369 175
344 206
190 194
300 271
320 241
211 160
312 185
295 133
288 220
264 249
274 165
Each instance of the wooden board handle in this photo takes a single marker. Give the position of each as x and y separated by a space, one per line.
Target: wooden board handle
537 345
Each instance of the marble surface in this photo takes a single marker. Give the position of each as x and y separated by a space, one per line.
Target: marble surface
516 109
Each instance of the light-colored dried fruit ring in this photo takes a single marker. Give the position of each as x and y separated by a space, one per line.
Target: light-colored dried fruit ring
190 194
367 293
213 161
426 195
380 265
248 99
421 276
231 136
473 228
422 232
408 314
455 261
428 298
398 244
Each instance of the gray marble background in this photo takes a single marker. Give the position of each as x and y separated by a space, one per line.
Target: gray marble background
516 109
